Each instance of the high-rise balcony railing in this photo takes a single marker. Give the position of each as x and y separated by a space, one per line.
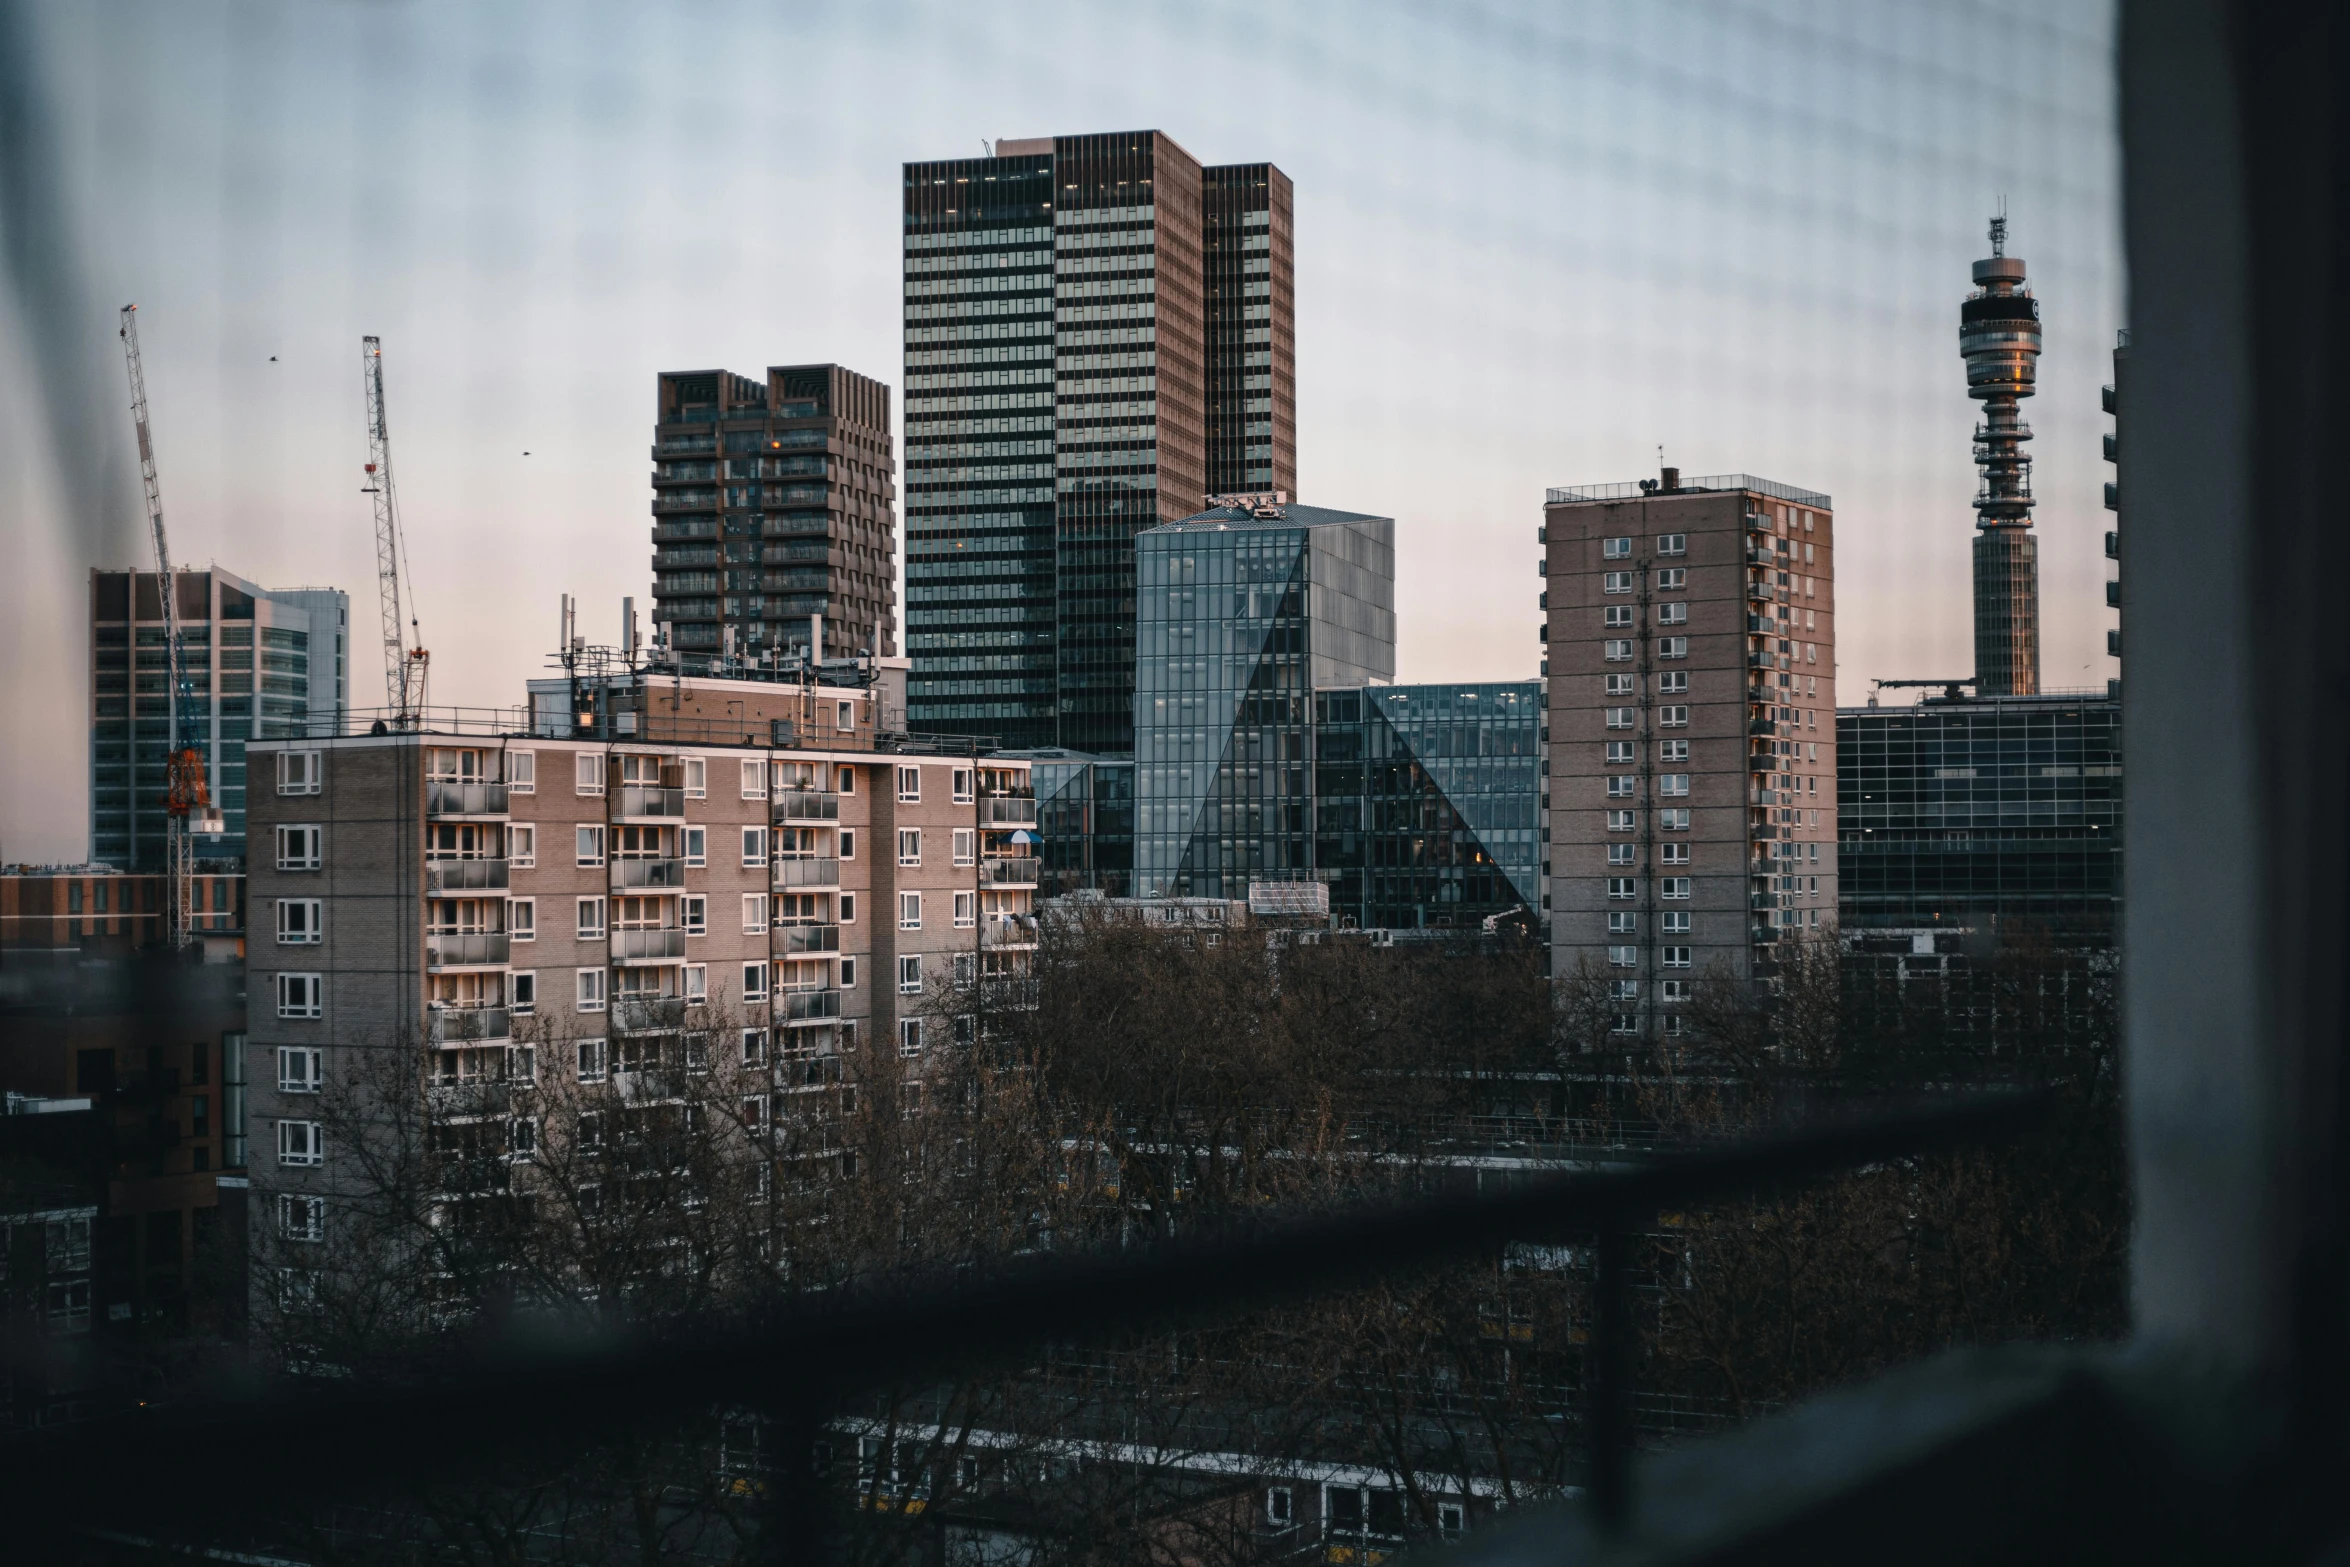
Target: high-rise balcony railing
806 940
442 798
807 1006
807 805
465 949
1008 931
817 872
648 946
648 873
469 1025
1007 811
1016 872
466 875
650 802
647 1014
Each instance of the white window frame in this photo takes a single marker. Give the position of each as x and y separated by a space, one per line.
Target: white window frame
1622 853
594 1063
1619 685
1619 786
1673 614
522 772
963 784
693 913
591 989
848 972
754 983
301 1069
910 974
847 778
909 846
1617 650
1615 549
1672 579
1673 854
1622 923
591 919
754 1042
1615 582
1672 544
1620 821
1620 717
1673 957
1623 888
848 908
966 845
697 778
694 843
300 1219
1673 818
1677 922
522 919
754 847
1672 886
697 984
522 846
909 911
587 844
909 1037
1619 753
754 780
966 910
846 841
1673 682
301 846
301 1145
754 914
587 773
522 992
1672 785
1672 647
292 987
1672 750
1623 955
910 785
1615 617
1673 716
300 772
301 922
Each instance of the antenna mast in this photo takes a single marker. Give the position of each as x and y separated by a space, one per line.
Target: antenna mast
187 801
404 666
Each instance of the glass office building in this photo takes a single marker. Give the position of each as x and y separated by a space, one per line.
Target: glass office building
1427 802
1981 812
1085 819
1243 613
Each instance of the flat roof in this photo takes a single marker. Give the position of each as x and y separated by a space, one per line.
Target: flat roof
1695 484
1224 519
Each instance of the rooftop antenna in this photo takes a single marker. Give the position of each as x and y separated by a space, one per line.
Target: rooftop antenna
1999 229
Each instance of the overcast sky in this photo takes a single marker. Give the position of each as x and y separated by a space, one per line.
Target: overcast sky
1534 243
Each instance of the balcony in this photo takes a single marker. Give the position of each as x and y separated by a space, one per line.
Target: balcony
686 500
2113 595
1762 726
648 873
1007 811
447 798
807 1006
1008 932
806 940
468 1025
807 805
1762 658
680 532
466 875
2113 546
1761 592
468 1096
807 873
647 1014
648 946
650 802
1018 872
1761 762
448 949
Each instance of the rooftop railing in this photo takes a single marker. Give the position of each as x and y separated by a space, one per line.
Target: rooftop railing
1699 484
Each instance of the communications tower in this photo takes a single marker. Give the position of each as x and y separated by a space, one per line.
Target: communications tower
1999 337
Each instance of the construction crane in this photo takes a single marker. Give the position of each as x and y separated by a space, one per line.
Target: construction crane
405 666
188 811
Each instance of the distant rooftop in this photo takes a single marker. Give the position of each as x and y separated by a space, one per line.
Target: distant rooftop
1701 483
1271 514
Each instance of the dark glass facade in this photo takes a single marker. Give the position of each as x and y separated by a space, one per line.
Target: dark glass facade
1085 817
1979 811
1243 616
1427 802
1058 364
774 514
1248 257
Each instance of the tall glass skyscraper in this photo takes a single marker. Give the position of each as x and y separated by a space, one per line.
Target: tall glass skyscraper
1099 333
1245 612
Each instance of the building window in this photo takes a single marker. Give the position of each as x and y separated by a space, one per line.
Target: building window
587 845
966 910
1280 1507
522 772
1672 579
587 773
694 913
1623 924
754 846
754 781
848 908
1619 821
1626 1022
961 779
909 911
1672 784
522 847
591 919
697 983
1624 989
1621 853
910 1035
1616 617
695 841
1672 647
1619 717
594 1066
1623 957
522 919
1672 750
1672 544
1615 549
754 982
301 995
300 1218
1616 582
848 973
300 1143
1675 717
298 849
754 1046
1619 685
848 780
1673 614
1672 887
1619 786
1671 991
910 785
754 914
1673 682
1674 957
1617 650
1675 853
1673 818
300 1069
299 921
909 845
966 846
1619 753
1622 887
522 989
910 974
1677 922
591 989
298 772
848 843
697 778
